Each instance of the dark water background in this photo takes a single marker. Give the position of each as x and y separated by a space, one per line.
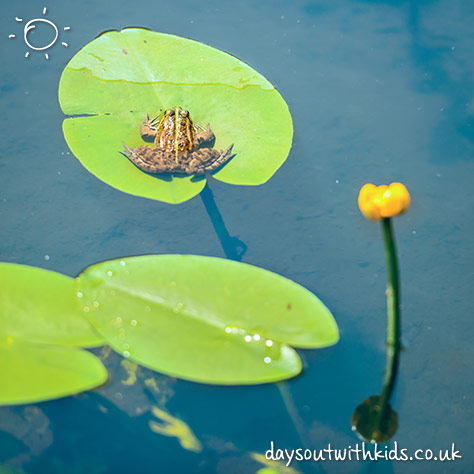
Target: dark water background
379 91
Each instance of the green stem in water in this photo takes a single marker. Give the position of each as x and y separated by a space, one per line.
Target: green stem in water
394 318
293 413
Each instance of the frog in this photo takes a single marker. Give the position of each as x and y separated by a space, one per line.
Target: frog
180 146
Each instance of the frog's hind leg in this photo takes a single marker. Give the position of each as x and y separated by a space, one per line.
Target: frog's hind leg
150 159
208 159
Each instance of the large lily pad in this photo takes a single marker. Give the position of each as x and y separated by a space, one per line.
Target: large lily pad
120 76
33 372
204 319
38 305
40 323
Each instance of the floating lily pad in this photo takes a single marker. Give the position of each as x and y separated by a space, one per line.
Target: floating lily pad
39 319
204 319
34 372
120 76
38 305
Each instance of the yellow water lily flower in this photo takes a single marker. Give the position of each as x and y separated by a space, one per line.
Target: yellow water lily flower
376 202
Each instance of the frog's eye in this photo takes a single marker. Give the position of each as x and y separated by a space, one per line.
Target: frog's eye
170 112
184 113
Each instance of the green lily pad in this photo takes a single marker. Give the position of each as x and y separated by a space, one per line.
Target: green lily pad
119 77
204 319
33 372
38 305
39 318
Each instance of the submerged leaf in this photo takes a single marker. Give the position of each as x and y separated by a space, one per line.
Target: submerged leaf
121 76
171 426
272 466
34 372
368 425
204 319
38 305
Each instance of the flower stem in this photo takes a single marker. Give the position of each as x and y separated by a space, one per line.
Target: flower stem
394 318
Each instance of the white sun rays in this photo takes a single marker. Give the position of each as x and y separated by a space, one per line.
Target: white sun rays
30 25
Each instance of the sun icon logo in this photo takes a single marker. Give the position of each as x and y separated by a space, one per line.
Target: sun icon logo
31 25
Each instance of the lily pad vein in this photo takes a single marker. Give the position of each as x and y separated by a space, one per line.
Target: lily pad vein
154 299
171 83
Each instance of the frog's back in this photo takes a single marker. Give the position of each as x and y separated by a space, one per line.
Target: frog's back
176 131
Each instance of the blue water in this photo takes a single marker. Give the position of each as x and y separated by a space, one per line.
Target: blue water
379 91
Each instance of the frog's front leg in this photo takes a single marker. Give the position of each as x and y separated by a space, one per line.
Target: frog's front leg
203 135
148 130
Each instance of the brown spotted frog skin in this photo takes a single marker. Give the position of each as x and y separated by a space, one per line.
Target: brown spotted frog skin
179 146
